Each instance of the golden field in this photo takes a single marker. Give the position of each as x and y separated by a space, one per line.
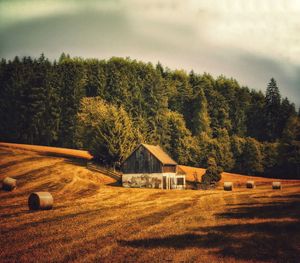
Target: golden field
95 220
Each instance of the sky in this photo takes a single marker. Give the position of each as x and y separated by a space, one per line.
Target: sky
249 40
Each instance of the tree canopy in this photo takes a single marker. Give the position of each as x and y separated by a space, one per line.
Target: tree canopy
109 106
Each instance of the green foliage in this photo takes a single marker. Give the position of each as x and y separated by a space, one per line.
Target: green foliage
252 157
213 172
271 111
270 157
255 117
218 110
248 154
219 148
222 150
289 149
237 147
72 83
106 130
192 116
179 142
200 121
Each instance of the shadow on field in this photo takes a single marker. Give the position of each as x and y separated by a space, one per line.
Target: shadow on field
272 210
277 241
258 242
24 160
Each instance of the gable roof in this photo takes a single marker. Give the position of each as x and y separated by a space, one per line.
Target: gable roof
159 153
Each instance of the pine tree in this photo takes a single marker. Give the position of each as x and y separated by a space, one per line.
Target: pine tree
272 111
287 110
51 116
252 157
222 150
73 79
179 141
289 149
255 116
237 147
200 118
213 172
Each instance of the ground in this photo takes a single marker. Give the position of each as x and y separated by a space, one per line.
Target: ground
94 219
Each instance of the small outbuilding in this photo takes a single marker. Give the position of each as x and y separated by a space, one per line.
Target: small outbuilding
148 166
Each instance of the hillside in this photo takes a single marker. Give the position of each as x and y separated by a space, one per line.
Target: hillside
56 151
95 221
237 179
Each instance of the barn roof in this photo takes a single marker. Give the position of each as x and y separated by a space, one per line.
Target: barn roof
159 153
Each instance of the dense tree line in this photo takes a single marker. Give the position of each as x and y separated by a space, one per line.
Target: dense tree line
108 107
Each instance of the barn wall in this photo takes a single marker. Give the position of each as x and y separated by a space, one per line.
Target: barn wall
169 169
141 161
154 180
142 180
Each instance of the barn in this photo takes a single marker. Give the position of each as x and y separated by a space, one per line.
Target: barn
149 166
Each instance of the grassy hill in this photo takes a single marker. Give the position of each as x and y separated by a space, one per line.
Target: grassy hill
93 220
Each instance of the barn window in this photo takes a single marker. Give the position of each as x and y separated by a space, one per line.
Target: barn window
180 181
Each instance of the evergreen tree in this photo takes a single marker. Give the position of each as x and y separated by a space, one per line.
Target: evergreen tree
287 110
252 157
181 93
218 110
36 101
271 158
213 172
255 117
51 116
289 149
272 112
179 141
200 119
222 149
73 79
95 78
237 147
39 102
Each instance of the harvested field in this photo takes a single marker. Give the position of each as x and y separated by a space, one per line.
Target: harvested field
94 221
237 179
50 150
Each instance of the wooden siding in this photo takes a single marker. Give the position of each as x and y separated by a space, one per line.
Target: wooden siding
169 169
141 161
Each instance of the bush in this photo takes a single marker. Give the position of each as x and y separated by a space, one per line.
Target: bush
213 173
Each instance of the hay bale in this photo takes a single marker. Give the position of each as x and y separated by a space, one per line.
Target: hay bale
9 184
276 185
228 186
40 201
250 184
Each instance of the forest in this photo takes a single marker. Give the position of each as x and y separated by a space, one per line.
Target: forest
110 106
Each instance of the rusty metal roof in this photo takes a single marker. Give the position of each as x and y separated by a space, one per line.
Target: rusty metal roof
159 153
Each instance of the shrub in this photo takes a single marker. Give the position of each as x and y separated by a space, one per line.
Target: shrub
213 172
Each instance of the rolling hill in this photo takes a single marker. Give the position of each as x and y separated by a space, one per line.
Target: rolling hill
94 220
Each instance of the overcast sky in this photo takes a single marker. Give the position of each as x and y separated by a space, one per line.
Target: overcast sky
249 40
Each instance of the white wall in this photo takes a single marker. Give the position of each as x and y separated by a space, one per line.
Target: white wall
153 180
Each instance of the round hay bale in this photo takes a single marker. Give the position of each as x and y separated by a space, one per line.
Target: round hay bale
9 184
250 184
276 185
40 201
228 186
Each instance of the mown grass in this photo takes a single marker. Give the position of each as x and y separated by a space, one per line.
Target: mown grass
93 221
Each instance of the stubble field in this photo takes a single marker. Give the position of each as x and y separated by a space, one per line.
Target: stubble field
95 220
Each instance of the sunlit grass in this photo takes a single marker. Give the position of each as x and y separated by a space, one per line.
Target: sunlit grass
94 221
